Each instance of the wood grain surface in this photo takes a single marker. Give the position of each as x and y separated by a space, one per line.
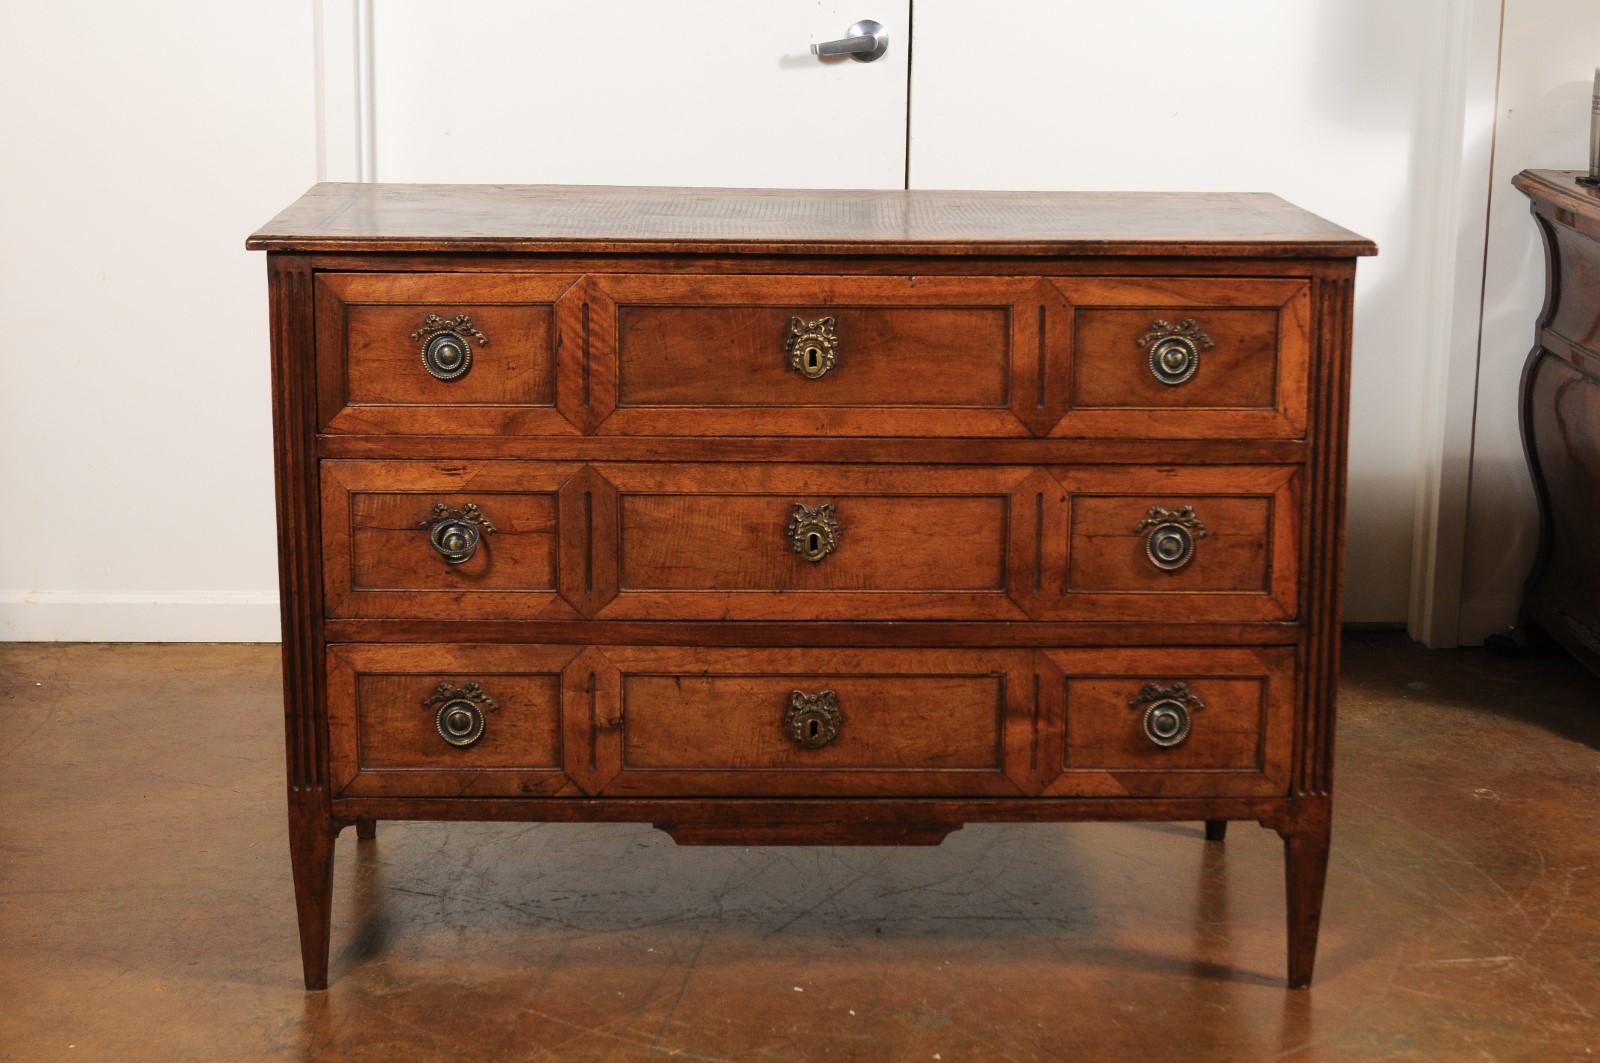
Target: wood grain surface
616 219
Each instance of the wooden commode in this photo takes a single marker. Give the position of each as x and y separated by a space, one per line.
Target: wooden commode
781 517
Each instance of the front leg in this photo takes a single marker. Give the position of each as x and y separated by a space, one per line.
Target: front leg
311 836
1305 852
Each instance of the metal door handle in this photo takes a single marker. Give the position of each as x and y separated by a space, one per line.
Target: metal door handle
867 41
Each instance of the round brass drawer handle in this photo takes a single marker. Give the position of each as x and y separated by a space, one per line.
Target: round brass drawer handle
812 346
813 720
447 345
459 712
1175 349
1170 543
1166 723
1168 712
814 531
456 531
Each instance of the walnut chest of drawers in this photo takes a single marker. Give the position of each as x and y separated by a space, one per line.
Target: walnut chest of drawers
808 517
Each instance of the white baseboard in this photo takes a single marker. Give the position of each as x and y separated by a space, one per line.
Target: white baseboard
138 616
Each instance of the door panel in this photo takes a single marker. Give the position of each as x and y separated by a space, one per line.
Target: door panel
701 92
806 355
895 722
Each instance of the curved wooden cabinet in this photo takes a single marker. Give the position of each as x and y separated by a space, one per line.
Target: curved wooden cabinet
1560 417
808 518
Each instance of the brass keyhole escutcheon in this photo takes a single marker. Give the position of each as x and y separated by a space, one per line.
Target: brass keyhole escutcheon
813 531
813 720
812 346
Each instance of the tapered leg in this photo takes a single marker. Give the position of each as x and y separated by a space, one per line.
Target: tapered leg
311 836
1216 830
1305 851
366 829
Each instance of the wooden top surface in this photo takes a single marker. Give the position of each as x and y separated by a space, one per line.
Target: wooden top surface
1560 187
618 219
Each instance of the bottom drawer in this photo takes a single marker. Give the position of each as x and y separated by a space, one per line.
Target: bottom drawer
479 720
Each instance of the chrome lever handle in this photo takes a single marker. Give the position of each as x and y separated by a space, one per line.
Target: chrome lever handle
867 41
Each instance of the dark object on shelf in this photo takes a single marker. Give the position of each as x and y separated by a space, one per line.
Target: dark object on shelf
1592 178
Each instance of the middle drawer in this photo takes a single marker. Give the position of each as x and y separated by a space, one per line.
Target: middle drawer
514 540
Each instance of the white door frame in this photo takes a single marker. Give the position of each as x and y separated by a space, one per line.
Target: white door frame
346 130
1456 316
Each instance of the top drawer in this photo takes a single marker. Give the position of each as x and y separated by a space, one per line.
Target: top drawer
710 355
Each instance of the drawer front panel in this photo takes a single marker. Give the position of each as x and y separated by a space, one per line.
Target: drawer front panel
872 356
383 558
500 363
390 708
1240 525
811 722
1175 722
1187 358
719 542
727 543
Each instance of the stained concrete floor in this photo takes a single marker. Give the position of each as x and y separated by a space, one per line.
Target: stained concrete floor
146 911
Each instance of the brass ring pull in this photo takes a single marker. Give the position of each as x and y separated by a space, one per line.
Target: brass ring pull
812 346
456 532
813 531
1175 349
1167 712
1170 545
447 345
459 718
813 720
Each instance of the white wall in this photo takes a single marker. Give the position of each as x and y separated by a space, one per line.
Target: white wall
1549 54
143 143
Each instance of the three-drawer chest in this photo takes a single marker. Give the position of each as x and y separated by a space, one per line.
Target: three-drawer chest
816 518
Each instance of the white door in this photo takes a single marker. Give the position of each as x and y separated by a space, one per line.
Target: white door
699 92
1335 105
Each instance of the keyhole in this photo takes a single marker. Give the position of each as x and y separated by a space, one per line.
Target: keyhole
813 359
813 729
813 543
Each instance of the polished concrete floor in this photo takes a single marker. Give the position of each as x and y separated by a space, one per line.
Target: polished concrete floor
146 911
